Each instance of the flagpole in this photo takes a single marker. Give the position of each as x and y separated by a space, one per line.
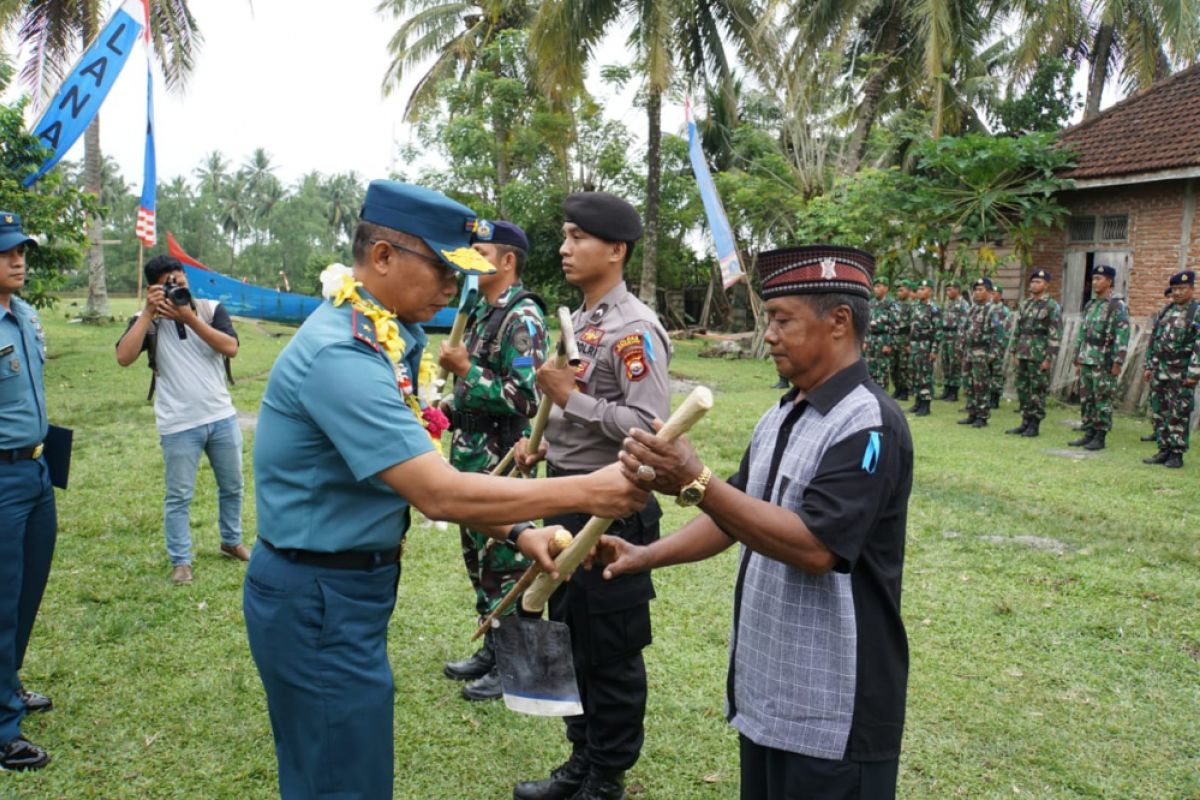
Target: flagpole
141 255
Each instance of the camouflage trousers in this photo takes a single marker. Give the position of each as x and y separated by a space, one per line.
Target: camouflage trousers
921 369
997 374
1097 388
952 365
493 566
878 363
901 367
1033 384
1175 405
977 375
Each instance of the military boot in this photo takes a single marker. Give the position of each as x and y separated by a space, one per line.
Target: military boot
923 407
945 395
915 407
1158 458
968 421
953 395
901 397
1020 429
980 422
476 666
1175 461
603 785
1088 433
1031 429
564 781
486 688
1150 437
995 400
1097 442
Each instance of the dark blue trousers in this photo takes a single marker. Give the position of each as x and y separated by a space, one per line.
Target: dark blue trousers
319 639
28 530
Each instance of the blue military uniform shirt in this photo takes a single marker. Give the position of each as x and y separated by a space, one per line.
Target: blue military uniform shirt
22 361
333 417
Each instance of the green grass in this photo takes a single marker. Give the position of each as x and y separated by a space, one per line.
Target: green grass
1052 673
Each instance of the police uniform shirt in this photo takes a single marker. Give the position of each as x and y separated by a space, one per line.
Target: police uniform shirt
22 360
819 663
622 381
333 417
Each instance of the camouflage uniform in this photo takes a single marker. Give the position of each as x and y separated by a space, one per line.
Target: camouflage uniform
954 314
1002 316
880 330
1038 331
925 337
492 407
901 367
1173 357
980 342
1102 342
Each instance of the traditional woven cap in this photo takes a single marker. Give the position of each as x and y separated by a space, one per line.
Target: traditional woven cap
1044 274
816 269
11 235
444 224
1105 270
1184 278
604 215
500 232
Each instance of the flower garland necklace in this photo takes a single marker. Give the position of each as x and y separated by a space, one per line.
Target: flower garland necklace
338 284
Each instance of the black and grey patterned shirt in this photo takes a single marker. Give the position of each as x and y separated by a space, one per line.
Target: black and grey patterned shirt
819 664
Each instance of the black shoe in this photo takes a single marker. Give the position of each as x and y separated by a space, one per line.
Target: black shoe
923 408
602 785
21 754
1158 458
1020 429
1097 442
980 422
945 395
474 667
915 407
564 781
1088 433
1031 428
1150 437
485 688
968 421
1174 462
35 702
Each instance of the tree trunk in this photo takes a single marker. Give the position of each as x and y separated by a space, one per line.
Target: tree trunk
1098 75
97 299
873 92
649 287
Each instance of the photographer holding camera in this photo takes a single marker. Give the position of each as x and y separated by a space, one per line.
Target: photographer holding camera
189 343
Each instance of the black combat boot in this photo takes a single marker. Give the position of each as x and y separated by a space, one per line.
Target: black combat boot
995 400
1031 429
980 422
476 666
916 406
953 394
1158 458
603 785
1020 429
923 407
1175 461
1097 442
486 688
564 781
901 397
968 421
1088 433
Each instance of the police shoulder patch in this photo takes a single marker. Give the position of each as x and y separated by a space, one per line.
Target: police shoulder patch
632 352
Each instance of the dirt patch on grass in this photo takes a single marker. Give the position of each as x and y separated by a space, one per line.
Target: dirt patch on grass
1043 543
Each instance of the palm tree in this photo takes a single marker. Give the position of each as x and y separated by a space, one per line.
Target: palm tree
211 173
52 31
343 197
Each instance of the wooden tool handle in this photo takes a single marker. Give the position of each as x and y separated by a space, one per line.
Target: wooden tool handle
458 329
520 586
695 406
566 341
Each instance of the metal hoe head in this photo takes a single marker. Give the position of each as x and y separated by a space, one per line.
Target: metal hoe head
537 671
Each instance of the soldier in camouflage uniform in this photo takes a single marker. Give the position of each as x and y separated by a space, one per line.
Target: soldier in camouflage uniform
925 339
494 398
1173 369
878 346
901 379
1101 347
980 341
1003 317
954 313
1037 333
1155 398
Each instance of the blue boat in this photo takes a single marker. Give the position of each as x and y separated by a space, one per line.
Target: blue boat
258 302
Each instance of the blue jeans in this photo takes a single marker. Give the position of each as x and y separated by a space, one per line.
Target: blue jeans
222 441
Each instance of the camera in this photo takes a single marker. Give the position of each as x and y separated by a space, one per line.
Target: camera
179 295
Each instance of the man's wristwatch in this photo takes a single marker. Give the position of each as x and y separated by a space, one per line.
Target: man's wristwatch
515 532
693 493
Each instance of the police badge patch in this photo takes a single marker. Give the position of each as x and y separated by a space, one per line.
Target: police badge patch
632 352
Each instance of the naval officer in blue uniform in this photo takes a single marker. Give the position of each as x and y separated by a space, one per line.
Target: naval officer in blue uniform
28 524
340 454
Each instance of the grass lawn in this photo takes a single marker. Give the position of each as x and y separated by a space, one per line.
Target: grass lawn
1051 605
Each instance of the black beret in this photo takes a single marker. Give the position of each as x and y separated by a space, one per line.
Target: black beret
984 282
1185 278
1105 270
1044 274
500 232
604 215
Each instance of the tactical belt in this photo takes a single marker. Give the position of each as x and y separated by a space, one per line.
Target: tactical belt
505 425
347 559
20 453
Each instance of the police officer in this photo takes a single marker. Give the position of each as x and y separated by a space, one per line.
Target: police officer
1101 346
925 338
1001 316
621 383
954 312
900 350
494 398
1173 369
1037 332
340 454
980 339
878 346
28 524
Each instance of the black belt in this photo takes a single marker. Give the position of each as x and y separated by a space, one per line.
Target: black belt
477 422
554 472
21 453
347 559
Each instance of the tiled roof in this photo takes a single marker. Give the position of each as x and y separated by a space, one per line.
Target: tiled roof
1153 130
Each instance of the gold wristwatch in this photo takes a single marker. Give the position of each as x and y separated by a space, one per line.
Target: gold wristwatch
693 493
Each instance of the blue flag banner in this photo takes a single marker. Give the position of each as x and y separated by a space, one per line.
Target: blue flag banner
144 229
718 223
79 98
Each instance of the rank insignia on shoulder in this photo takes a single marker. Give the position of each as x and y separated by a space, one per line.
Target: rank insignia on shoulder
632 352
363 330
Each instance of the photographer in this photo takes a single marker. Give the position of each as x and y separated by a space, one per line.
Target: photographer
188 343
